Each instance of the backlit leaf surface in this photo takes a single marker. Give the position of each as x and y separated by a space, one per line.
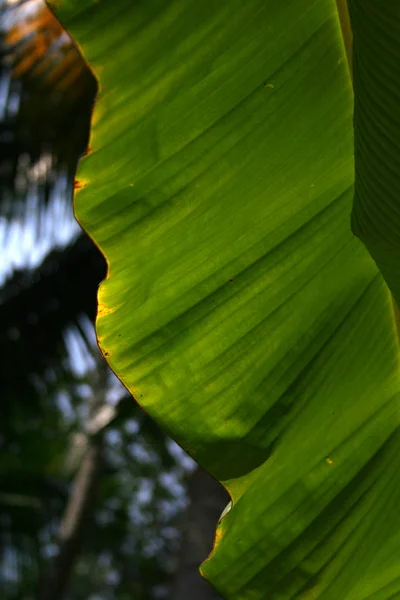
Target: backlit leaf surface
239 309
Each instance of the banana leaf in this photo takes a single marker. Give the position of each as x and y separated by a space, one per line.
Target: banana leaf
239 308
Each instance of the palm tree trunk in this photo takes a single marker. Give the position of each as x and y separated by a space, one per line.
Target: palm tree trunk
207 501
82 499
72 528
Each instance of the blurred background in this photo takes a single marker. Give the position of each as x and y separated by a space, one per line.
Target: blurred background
95 501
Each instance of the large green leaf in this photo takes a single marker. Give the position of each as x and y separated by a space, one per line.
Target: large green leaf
376 214
239 309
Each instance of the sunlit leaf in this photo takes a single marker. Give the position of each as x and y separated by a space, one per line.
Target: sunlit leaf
239 309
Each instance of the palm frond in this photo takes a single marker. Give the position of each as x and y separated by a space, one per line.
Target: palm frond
49 272
46 95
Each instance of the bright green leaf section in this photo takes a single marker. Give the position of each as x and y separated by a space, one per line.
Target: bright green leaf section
239 309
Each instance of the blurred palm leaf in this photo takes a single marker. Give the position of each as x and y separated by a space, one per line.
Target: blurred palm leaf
45 88
48 90
44 261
